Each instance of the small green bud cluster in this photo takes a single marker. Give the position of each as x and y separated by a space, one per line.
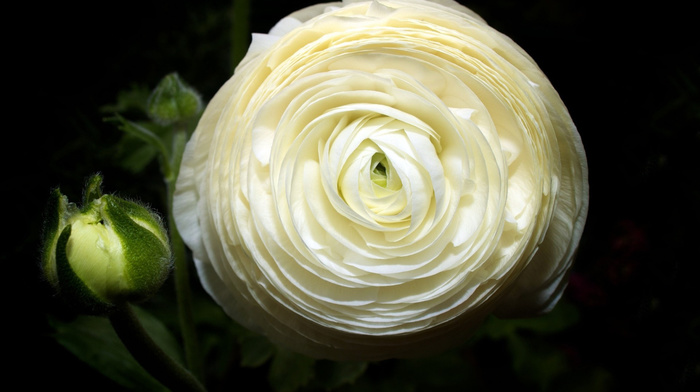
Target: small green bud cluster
105 253
173 101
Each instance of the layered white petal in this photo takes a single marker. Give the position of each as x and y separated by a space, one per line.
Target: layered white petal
378 177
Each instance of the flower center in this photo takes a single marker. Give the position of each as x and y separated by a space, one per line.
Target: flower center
382 173
378 169
378 174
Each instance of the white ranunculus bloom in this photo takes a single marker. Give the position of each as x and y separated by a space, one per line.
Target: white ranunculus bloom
379 176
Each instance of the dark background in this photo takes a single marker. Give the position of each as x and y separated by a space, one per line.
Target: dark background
628 73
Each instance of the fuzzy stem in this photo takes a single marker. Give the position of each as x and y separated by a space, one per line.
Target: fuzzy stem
182 275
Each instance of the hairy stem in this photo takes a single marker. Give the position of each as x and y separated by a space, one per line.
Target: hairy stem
182 275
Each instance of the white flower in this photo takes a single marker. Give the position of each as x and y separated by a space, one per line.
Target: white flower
377 177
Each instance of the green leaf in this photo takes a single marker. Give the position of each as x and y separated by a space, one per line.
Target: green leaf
563 316
135 156
449 371
446 371
331 374
255 350
142 132
537 362
290 371
93 340
153 136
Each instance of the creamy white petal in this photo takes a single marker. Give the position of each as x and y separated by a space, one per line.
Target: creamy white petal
379 176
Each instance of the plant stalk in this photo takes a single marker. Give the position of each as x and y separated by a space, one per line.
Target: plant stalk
182 275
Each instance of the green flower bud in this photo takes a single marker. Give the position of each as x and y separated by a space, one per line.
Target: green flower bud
108 252
173 101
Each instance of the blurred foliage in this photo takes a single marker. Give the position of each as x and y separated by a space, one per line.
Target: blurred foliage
530 347
93 340
630 76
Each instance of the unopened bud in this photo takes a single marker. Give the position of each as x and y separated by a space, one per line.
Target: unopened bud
108 252
173 101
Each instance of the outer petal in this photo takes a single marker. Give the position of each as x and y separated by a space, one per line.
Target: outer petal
541 284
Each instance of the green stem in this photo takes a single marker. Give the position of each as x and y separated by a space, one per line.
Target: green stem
182 276
184 302
149 354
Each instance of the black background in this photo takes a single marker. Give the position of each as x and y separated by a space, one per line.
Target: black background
628 73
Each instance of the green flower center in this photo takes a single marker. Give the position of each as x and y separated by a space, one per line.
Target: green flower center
382 174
